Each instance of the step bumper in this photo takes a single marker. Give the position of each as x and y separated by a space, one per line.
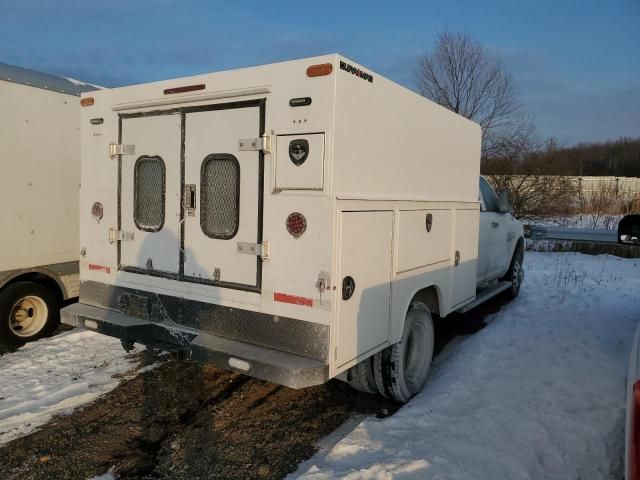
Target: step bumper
261 362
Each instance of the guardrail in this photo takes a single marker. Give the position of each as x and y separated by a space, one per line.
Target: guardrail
581 235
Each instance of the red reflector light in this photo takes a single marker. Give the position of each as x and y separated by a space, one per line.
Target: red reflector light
285 298
296 224
87 101
93 266
188 88
634 441
319 70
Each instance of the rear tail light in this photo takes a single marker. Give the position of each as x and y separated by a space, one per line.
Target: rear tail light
296 224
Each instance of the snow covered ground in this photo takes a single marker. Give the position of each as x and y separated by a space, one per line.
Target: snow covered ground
56 375
538 394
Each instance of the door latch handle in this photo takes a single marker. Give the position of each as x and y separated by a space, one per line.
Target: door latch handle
189 200
495 224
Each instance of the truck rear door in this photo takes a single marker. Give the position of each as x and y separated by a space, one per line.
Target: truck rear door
222 224
192 194
150 195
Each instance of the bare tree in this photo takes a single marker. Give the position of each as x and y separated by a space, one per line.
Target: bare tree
461 75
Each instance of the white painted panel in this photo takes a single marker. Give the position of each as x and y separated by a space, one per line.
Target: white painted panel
306 176
152 136
39 176
363 323
418 247
390 142
463 277
218 132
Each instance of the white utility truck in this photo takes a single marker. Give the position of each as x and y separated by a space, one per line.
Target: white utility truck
39 187
295 222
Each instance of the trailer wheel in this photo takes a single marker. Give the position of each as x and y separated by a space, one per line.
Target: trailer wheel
401 369
515 274
28 311
361 377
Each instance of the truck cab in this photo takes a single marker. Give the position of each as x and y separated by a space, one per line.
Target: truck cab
501 236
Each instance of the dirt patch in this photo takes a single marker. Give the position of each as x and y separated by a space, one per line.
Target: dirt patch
188 420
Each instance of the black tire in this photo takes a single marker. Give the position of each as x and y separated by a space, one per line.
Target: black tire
515 274
360 377
401 370
31 297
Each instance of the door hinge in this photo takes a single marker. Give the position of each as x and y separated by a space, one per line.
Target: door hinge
262 143
259 249
116 149
116 235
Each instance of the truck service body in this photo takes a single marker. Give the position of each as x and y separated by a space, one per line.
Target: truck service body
39 187
278 220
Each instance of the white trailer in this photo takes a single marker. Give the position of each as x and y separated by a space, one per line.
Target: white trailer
296 222
39 186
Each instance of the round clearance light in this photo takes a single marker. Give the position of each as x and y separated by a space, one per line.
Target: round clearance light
97 212
296 224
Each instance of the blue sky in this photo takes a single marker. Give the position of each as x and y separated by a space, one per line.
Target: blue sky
576 64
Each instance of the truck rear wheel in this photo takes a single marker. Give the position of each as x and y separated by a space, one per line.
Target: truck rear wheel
28 311
361 377
401 370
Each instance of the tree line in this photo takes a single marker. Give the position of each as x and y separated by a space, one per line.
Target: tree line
618 158
463 76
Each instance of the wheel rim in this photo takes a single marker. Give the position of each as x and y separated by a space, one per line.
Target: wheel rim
516 275
28 316
415 359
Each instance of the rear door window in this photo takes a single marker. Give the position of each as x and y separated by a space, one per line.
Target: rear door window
220 196
149 193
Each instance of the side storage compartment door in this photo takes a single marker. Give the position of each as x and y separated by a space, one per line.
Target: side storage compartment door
365 283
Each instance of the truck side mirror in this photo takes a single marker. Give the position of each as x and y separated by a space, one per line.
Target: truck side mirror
503 203
629 230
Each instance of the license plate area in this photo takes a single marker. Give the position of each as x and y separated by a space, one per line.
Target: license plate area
135 305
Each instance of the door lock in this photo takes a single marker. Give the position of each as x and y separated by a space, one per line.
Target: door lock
348 287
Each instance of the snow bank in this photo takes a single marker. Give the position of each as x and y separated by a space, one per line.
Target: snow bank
539 393
56 375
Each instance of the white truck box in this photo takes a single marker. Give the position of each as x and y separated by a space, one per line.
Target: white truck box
39 185
278 220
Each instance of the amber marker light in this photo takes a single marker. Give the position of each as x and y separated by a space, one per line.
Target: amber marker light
319 70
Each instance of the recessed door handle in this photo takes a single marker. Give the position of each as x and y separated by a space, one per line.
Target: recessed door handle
189 200
495 224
